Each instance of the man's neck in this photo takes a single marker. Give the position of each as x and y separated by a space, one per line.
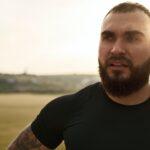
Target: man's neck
134 99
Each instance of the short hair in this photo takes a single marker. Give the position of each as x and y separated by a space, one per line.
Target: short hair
129 7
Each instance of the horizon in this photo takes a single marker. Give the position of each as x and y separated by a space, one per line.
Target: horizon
29 74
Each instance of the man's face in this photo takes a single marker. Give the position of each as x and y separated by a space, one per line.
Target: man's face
124 52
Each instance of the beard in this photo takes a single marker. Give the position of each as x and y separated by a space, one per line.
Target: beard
120 87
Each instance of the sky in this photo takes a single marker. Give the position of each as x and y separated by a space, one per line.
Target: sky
47 37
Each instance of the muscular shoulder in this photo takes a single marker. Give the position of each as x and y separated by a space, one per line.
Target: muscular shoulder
73 101
53 118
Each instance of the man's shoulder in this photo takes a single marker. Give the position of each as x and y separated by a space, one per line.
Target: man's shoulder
74 100
58 113
86 91
89 90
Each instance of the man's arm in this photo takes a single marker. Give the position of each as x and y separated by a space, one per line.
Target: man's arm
26 141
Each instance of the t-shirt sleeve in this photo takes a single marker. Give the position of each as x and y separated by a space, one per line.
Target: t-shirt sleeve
49 124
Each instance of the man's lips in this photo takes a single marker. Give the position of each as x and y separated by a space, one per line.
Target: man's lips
117 64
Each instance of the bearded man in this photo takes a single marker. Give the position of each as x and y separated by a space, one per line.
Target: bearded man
113 114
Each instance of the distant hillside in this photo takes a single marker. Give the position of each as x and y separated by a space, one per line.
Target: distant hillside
45 84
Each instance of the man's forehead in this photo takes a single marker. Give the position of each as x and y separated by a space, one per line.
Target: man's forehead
126 21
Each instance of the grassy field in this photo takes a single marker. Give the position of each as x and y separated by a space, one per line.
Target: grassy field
17 111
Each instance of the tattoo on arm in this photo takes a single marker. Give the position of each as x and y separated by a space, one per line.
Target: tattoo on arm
27 141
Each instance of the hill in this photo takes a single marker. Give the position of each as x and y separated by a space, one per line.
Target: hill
45 83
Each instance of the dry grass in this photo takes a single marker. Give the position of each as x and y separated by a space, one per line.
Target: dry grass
17 111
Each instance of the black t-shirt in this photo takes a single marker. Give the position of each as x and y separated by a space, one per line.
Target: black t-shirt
89 120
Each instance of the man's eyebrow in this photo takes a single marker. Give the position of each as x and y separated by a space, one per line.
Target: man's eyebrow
107 32
134 32
130 32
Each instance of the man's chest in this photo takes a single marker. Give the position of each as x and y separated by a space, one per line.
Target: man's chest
107 131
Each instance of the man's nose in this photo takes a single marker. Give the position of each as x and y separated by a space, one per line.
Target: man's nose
118 48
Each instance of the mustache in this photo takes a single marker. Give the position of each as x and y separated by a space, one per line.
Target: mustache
119 58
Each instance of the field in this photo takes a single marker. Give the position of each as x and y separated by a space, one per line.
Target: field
17 111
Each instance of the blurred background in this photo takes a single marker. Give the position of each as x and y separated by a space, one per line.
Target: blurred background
48 48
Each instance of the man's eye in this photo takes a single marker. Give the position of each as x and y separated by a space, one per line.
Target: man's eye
108 38
132 38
